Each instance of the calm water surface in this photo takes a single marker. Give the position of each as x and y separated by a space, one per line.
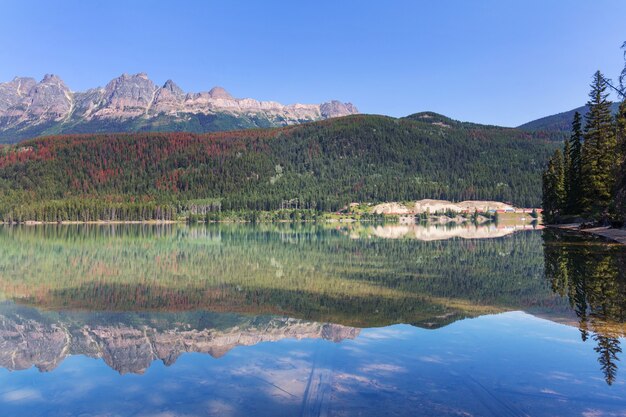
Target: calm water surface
234 320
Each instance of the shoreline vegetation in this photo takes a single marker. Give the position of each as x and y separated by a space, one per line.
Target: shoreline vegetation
438 212
584 184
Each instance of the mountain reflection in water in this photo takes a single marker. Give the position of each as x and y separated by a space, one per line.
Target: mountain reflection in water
131 342
140 297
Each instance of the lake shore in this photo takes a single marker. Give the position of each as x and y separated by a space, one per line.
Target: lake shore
616 235
101 222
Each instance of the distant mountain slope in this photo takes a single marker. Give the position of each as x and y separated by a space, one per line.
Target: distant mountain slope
561 122
132 103
323 164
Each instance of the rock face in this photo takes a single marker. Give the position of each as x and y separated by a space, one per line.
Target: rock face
484 206
15 93
134 102
391 208
436 206
441 206
23 99
336 108
131 348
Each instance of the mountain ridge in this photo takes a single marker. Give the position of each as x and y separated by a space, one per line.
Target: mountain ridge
131 103
560 122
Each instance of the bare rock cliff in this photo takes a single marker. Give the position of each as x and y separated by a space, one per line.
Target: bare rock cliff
50 106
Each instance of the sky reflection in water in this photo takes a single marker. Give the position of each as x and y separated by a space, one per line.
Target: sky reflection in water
503 364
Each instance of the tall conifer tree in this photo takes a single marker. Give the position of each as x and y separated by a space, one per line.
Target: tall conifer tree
621 130
620 189
599 159
567 169
554 187
573 179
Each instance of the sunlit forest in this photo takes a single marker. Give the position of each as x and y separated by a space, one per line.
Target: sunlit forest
323 166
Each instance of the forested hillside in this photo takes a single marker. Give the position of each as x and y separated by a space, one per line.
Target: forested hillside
323 165
561 122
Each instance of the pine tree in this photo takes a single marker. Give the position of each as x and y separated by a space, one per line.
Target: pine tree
567 173
621 130
599 159
620 188
554 187
573 179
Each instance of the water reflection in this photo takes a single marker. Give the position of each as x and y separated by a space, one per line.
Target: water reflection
495 365
130 342
592 275
432 232
306 272
307 320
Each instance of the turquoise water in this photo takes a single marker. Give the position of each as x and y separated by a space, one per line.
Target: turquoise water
306 320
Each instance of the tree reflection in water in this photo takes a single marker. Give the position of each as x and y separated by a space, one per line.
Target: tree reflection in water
592 275
361 278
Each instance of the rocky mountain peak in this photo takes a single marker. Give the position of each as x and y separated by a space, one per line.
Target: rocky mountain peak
336 108
18 79
172 87
220 92
50 98
130 93
23 84
51 79
29 108
14 91
168 98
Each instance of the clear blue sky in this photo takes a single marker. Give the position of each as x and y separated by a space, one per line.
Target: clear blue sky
492 61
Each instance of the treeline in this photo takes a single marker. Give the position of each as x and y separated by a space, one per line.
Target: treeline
587 177
316 167
87 210
92 210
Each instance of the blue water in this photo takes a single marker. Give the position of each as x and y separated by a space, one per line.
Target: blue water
510 364
267 324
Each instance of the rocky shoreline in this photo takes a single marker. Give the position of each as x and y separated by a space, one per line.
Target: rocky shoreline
607 232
